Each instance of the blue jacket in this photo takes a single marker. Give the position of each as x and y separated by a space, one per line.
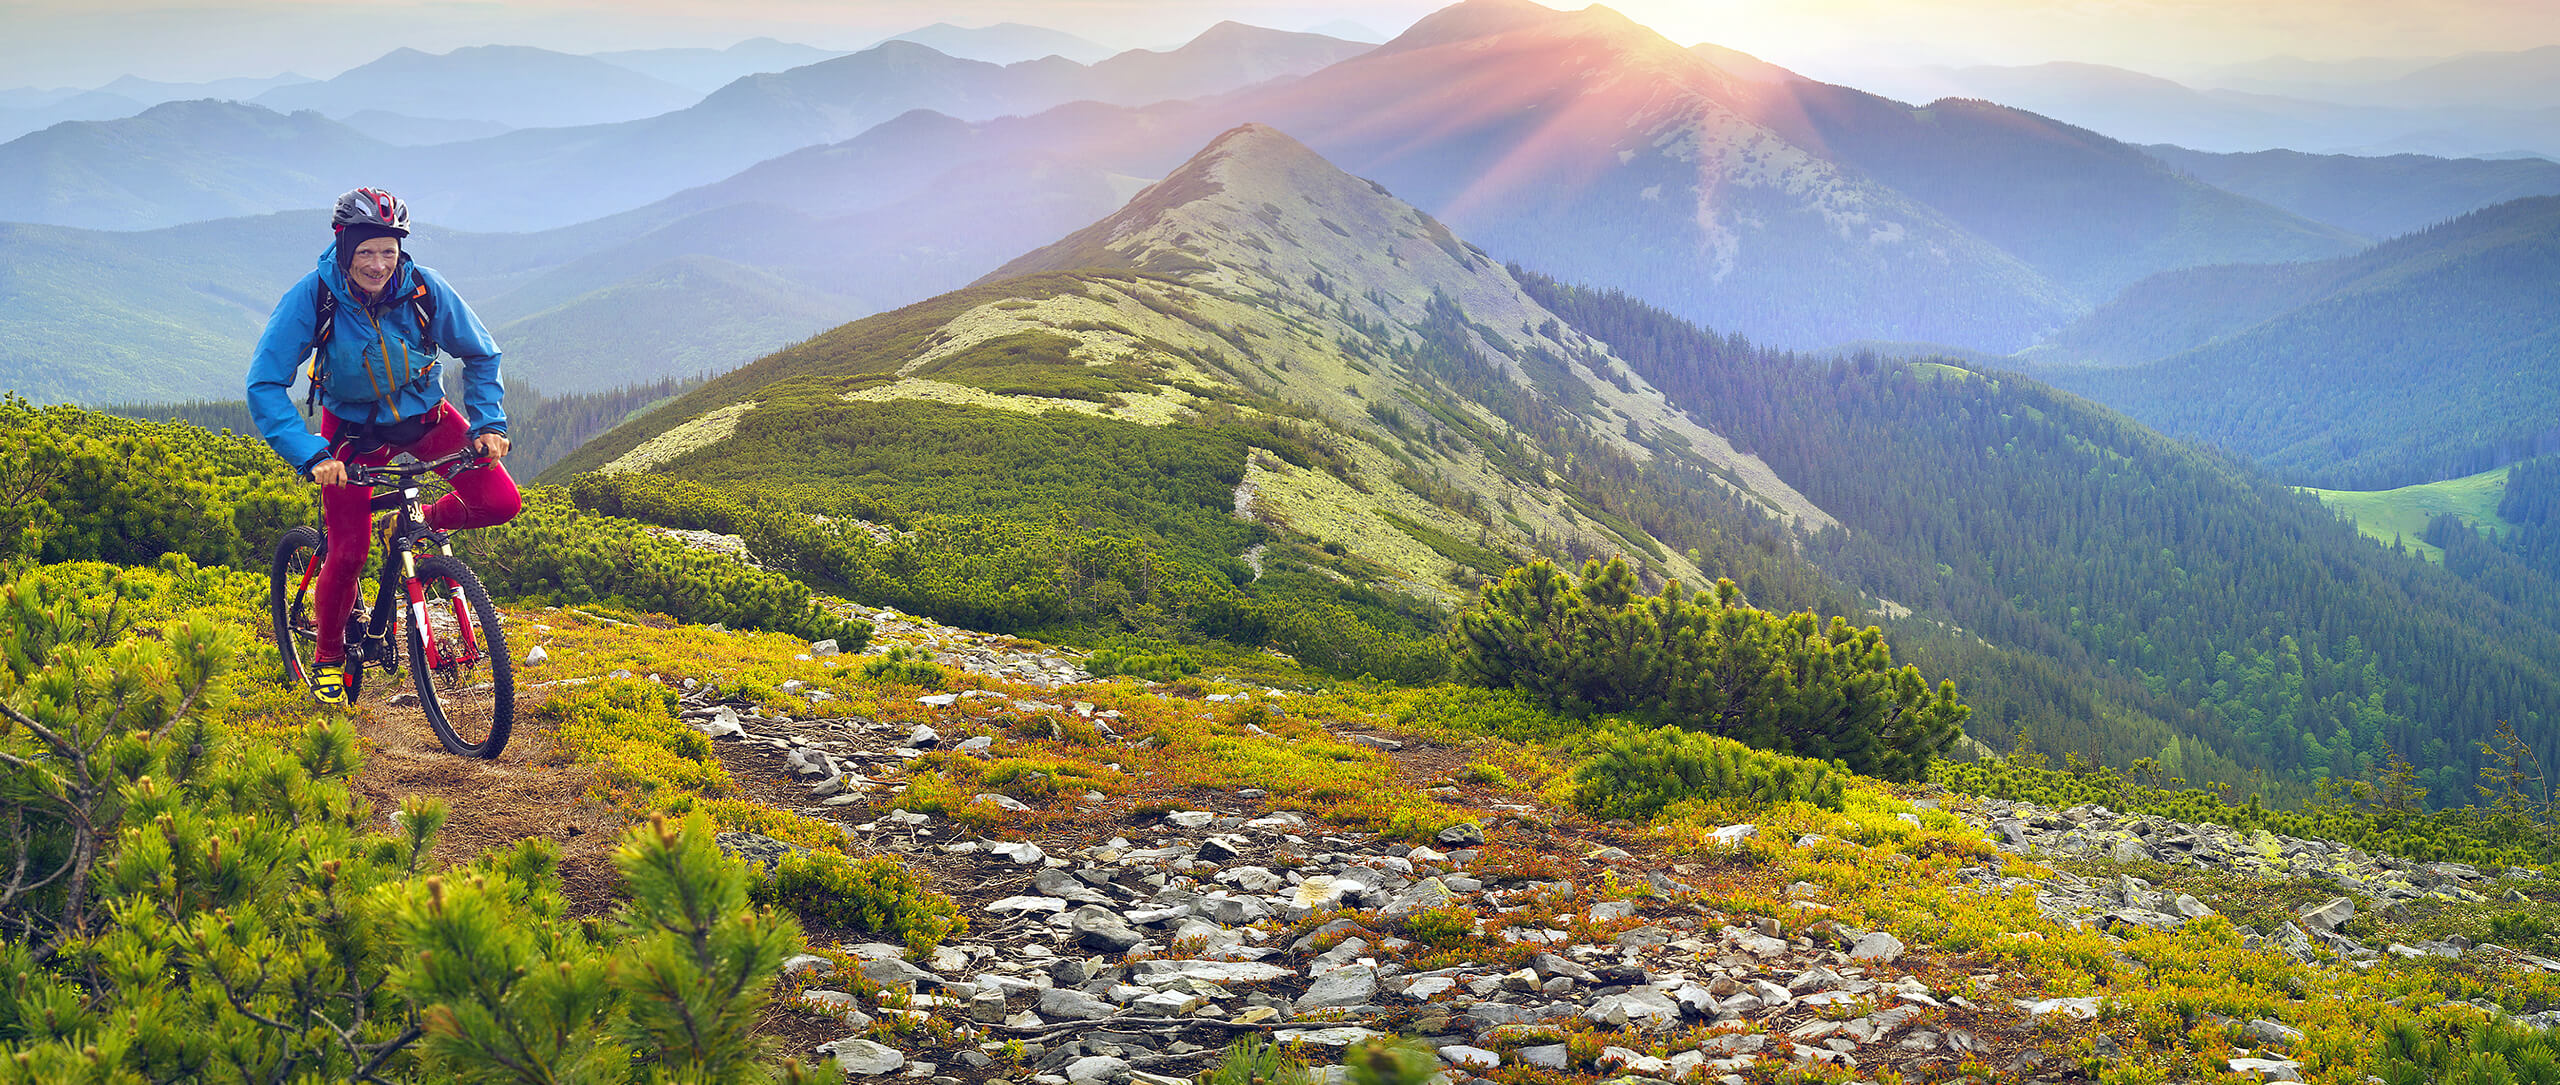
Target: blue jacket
378 365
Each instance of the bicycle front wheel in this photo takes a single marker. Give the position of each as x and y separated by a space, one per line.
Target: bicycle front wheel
458 660
293 581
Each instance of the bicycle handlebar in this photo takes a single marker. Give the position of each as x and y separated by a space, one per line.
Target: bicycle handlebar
394 474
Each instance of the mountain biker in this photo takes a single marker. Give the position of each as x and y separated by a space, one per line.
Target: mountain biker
372 338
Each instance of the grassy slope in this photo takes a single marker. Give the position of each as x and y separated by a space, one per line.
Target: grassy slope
2402 514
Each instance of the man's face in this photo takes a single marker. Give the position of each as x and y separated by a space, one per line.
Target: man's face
373 263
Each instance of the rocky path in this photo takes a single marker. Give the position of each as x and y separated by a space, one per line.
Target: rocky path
1134 945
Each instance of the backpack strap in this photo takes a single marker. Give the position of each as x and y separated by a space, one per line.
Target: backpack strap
423 302
324 321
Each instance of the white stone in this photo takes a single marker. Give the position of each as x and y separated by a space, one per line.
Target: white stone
1343 1036
536 655
2085 1008
1473 1058
938 700
1163 971
1878 946
864 1057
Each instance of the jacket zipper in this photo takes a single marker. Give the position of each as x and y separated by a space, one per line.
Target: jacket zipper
385 337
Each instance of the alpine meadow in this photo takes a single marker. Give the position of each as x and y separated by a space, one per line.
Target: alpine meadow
1296 544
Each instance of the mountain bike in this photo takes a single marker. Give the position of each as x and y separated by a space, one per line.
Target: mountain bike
425 597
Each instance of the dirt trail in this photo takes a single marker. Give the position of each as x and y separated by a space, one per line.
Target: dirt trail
526 791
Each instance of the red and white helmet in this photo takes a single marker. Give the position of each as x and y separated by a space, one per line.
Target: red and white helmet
371 207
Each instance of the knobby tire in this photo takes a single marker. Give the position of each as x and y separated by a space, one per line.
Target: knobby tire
471 702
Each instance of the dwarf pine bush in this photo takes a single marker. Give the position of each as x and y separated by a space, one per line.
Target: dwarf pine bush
877 895
1255 1060
2480 1053
1636 773
1708 663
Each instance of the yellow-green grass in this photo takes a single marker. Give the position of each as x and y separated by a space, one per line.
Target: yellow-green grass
2402 514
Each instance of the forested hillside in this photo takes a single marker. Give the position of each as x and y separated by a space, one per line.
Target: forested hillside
2140 599
2420 359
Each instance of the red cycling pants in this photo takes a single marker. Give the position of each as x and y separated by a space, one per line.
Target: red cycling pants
482 496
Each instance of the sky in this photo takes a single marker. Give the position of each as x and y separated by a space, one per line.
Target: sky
83 43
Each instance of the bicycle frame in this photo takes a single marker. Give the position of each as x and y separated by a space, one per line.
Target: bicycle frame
374 640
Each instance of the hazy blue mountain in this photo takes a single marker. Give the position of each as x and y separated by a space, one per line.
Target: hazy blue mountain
1224 57
2140 108
28 109
690 316
153 91
2529 77
183 162
2314 79
1449 121
2091 213
2377 197
517 86
541 178
173 314
707 70
1005 43
2429 356
405 131
95 105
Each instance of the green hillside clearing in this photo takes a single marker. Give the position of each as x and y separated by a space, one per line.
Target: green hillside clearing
2401 515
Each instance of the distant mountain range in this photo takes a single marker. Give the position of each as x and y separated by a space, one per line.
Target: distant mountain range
517 180
28 110
2430 356
2376 197
2487 103
512 85
1006 43
1587 145
705 70
183 162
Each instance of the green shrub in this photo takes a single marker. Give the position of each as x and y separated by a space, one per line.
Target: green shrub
1144 666
907 667
1787 682
1381 1061
1637 773
877 895
1445 927
2477 1052
1255 1060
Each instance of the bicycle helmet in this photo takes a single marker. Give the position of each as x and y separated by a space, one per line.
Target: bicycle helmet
371 207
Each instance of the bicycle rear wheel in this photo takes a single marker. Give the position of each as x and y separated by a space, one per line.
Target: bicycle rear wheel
292 581
458 660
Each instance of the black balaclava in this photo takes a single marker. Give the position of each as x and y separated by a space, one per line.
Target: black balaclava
357 233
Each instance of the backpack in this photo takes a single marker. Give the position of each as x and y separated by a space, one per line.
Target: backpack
324 321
